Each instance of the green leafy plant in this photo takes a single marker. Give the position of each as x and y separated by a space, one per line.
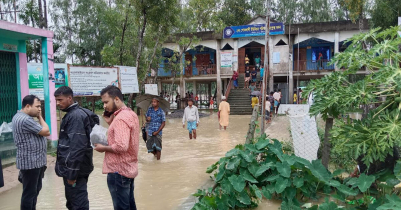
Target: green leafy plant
375 54
250 172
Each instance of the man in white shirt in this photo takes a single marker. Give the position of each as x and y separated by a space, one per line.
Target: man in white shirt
191 115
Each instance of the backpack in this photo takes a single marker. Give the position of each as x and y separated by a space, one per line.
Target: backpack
93 118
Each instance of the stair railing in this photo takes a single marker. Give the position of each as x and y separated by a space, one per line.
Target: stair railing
229 85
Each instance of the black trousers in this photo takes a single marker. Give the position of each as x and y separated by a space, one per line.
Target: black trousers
32 184
77 196
1 175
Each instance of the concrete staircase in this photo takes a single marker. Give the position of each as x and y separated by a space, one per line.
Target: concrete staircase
239 99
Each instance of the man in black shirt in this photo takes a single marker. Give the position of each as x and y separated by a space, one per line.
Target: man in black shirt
254 73
247 77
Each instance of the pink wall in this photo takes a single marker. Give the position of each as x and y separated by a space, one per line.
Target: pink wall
23 75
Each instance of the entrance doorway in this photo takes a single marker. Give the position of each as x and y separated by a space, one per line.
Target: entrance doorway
8 86
253 50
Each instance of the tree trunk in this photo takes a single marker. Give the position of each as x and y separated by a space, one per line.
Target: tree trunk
138 56
45 13
148 69
1 14
15 11
40 14
326 143
122 36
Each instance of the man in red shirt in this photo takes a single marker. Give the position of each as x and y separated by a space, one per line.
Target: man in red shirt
121 158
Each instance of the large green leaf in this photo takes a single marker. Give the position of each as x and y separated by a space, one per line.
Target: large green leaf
298 182
284 169
364 182
253 168
319 171
211 168
267 192
247 176
271 177
244 198
252 148
280 185
256 191
347 191
247 157
221 173
394 203
276 148
290 193
262 143
238 182
232 152
222 202
263 168
226 186
233 163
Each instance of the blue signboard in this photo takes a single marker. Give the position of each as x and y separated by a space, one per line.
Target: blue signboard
252 30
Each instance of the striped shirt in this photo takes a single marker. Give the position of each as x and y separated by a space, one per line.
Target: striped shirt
31 147
123 138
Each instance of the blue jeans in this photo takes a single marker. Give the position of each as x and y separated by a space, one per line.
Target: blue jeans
122 191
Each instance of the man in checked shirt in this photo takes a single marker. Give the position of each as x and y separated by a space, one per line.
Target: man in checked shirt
29 137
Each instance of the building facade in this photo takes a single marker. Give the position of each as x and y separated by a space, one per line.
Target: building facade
301 53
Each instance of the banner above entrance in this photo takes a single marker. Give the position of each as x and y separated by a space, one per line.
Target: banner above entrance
252 30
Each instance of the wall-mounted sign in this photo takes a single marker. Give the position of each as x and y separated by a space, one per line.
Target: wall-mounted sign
151 89
252 30
226 59
128 79
10 47
35 78
89 81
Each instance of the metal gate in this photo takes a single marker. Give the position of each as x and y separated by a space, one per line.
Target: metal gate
8 86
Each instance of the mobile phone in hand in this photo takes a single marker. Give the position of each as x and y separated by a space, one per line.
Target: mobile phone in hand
107 114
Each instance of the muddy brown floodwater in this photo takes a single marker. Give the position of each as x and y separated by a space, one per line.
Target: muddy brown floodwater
165 184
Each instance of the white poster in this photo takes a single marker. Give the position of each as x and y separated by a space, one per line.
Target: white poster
151 89
89 81
226 59
235 58
128 79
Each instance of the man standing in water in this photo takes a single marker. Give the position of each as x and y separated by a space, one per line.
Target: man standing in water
157 120
121 158
29 137
74 152
191 115
224 113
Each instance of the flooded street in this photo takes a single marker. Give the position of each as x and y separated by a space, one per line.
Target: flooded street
164 184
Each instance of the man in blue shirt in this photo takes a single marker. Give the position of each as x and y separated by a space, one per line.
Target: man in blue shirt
156 121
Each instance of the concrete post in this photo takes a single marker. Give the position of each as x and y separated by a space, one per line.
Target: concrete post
159 87
209 90
235 64
336 47
291 71
182 81
218 65
271 66
194 84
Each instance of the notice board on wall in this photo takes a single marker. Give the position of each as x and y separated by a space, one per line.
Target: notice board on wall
89 80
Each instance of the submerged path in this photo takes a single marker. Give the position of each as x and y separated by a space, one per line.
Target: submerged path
164 184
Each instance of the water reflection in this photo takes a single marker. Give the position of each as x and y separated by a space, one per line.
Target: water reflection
163 184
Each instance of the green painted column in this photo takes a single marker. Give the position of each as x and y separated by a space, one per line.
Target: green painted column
46 88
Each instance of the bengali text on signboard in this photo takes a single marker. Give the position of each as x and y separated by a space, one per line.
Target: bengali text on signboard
89 81
128 79
252 30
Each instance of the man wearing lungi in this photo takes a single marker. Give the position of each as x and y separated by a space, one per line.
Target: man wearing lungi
156 121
